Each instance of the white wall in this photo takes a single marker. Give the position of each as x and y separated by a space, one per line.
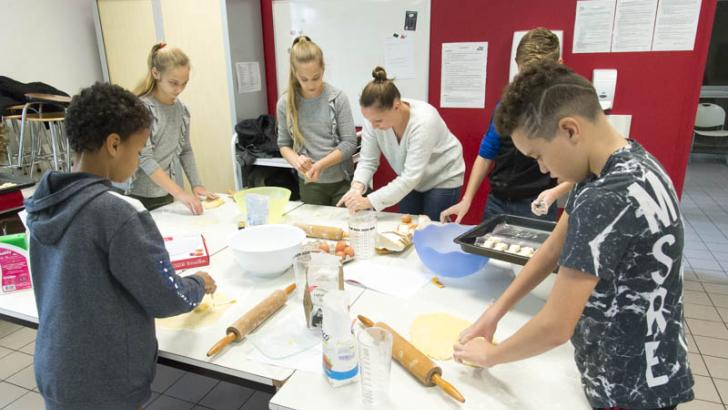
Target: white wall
52 41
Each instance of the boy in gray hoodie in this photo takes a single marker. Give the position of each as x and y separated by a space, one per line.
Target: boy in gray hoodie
100 270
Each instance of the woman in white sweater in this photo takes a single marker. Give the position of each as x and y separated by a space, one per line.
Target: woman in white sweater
426 156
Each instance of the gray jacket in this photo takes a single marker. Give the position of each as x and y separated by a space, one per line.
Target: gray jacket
168 148
326 123
101 274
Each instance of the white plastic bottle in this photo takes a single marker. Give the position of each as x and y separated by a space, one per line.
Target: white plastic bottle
340 361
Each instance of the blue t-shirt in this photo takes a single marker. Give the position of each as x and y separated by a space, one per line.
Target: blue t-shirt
490 145
625 228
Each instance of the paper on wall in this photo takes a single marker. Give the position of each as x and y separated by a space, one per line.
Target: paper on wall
593 26
399 57
633 25
675 25
463 75
248 74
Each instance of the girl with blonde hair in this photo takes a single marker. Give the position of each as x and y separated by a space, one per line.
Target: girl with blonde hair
315 127
168 152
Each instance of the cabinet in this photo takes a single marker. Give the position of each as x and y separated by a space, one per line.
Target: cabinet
215 34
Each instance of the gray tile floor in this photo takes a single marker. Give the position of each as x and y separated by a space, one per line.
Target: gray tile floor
704 209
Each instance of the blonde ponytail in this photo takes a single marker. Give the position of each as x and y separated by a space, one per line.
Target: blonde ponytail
303 50
160 58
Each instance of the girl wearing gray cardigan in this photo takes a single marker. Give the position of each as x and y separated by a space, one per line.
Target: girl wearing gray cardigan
168 152
315 128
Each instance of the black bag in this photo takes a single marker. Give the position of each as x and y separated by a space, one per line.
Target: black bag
258 135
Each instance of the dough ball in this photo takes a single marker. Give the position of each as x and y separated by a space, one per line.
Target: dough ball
501 246
514 248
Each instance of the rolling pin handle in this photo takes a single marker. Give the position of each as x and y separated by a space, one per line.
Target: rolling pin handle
220 344
448 388
365 321
290 288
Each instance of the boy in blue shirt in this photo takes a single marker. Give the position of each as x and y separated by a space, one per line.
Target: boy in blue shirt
619 243
100 270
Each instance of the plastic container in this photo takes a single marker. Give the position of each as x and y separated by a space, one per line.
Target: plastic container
14 270
340 361
277 201
375 356
363 233
437 251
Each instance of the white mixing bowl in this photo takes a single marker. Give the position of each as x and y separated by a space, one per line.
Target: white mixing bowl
266 250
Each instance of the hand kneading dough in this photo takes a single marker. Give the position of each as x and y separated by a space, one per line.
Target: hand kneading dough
205 314
435 334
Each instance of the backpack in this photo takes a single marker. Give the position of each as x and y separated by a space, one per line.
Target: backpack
258 135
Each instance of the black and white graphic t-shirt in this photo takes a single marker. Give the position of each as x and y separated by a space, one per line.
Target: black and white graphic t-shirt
625 228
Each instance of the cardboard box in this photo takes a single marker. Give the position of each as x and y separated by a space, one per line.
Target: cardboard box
187 252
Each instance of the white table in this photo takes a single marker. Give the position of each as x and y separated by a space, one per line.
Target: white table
547 381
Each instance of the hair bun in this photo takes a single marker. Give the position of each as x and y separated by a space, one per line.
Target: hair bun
379 74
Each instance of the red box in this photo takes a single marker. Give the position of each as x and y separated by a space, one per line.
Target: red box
187 252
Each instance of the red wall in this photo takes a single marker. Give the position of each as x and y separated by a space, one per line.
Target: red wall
659 89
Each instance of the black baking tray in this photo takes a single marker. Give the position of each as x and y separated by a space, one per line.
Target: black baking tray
20 181
467 239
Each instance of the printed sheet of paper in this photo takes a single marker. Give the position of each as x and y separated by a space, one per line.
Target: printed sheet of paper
463 75
593 26
676 24
248 75
633 25
399 57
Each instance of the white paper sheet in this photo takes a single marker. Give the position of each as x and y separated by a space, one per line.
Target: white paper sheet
308 360
517 36
385 278
593 26
634 23
399 57
463 75
248 74
675 26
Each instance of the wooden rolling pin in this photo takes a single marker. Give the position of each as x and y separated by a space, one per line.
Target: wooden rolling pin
253 318
322 232
416 362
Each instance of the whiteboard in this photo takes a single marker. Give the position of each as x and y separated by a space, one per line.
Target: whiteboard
352 35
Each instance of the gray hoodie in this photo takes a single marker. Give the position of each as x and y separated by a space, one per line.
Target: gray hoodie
101 275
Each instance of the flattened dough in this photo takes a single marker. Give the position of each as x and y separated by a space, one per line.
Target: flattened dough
204 315
435 334
212 203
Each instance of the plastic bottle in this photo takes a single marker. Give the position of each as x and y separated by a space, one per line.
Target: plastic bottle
340 361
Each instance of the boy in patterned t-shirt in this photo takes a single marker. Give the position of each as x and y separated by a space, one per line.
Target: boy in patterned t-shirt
618 292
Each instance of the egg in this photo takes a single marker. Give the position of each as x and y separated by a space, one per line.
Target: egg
324 247
340 246
341 254
349 251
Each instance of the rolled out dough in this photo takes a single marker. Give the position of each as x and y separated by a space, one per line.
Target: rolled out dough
204 315
435 334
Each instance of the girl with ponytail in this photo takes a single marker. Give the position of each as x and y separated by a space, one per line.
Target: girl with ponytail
168 152
315 127
426 156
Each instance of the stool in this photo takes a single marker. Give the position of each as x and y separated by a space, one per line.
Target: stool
42 111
